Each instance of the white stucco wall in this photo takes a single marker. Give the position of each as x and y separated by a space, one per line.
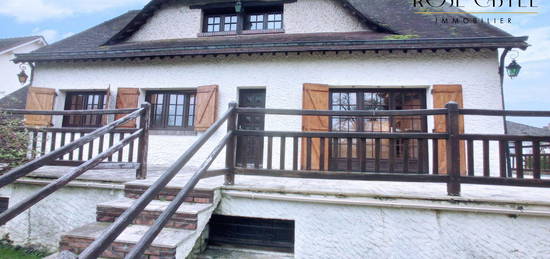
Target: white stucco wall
9 70
283 77
175 21
178 21
310 16
325 230
42 225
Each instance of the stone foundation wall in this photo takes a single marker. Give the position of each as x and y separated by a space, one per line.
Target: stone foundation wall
42 225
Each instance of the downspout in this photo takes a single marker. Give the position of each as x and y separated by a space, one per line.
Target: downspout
501 73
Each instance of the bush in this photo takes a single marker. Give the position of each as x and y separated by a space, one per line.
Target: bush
13 141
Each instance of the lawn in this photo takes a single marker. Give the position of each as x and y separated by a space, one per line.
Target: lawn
8 252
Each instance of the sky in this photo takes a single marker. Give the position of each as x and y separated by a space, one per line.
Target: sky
58 19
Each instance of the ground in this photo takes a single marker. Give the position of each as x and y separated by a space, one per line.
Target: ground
9 252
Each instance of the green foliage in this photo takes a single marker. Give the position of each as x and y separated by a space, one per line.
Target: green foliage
13 141
401 37
7 251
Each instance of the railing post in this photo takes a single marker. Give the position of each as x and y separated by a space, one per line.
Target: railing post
144 123
453 149
231 148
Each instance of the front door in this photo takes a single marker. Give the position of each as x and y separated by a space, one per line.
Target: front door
250 149
378 99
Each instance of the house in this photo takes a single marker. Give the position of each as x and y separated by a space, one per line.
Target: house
191 58
313 54
8 70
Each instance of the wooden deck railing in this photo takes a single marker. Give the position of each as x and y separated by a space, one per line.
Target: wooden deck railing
459 165
46 159
451 173
45 140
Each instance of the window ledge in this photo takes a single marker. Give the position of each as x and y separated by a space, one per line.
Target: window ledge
247 32
211 34
170 132
250 32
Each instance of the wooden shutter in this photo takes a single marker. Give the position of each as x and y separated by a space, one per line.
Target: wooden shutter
206 110
315 97
41 99
127 98
443 94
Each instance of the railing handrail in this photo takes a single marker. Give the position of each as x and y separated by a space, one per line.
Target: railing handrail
321 134
411 112
28 202
74 129
69 112
501 113
172 208
108 236
362 113
14 174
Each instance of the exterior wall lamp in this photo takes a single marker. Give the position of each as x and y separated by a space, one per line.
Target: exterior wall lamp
22 76
514 68
238 7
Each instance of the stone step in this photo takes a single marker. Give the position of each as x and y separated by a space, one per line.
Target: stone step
185 217
134 191
164 246
216 252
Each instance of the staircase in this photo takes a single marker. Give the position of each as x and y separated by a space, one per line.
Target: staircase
181 238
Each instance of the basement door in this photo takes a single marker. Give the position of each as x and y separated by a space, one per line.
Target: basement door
250 149
378 99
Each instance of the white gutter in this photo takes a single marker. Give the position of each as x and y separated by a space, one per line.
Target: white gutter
386 204
41 39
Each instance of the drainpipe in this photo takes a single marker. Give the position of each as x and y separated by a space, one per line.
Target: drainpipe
501 73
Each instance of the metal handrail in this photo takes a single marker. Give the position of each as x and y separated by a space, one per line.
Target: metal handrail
114 230
27 168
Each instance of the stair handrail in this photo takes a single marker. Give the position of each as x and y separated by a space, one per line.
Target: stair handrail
146 240
18 172
59 183
108 236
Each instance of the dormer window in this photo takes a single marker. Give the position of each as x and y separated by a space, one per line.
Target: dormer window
265 21
251 20
221 23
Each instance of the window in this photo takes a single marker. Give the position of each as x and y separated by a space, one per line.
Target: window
255 233
254 18
265 21
172 109
221 23
84 101
376 99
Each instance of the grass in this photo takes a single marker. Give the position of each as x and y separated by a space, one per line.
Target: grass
10 252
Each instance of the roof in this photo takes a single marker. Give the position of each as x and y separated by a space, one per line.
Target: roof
108 40
10 43
15 100
515 128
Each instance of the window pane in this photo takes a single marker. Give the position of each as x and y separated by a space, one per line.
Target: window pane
173 112
84 101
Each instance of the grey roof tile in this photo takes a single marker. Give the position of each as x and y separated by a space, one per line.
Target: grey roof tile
107 40
515 128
